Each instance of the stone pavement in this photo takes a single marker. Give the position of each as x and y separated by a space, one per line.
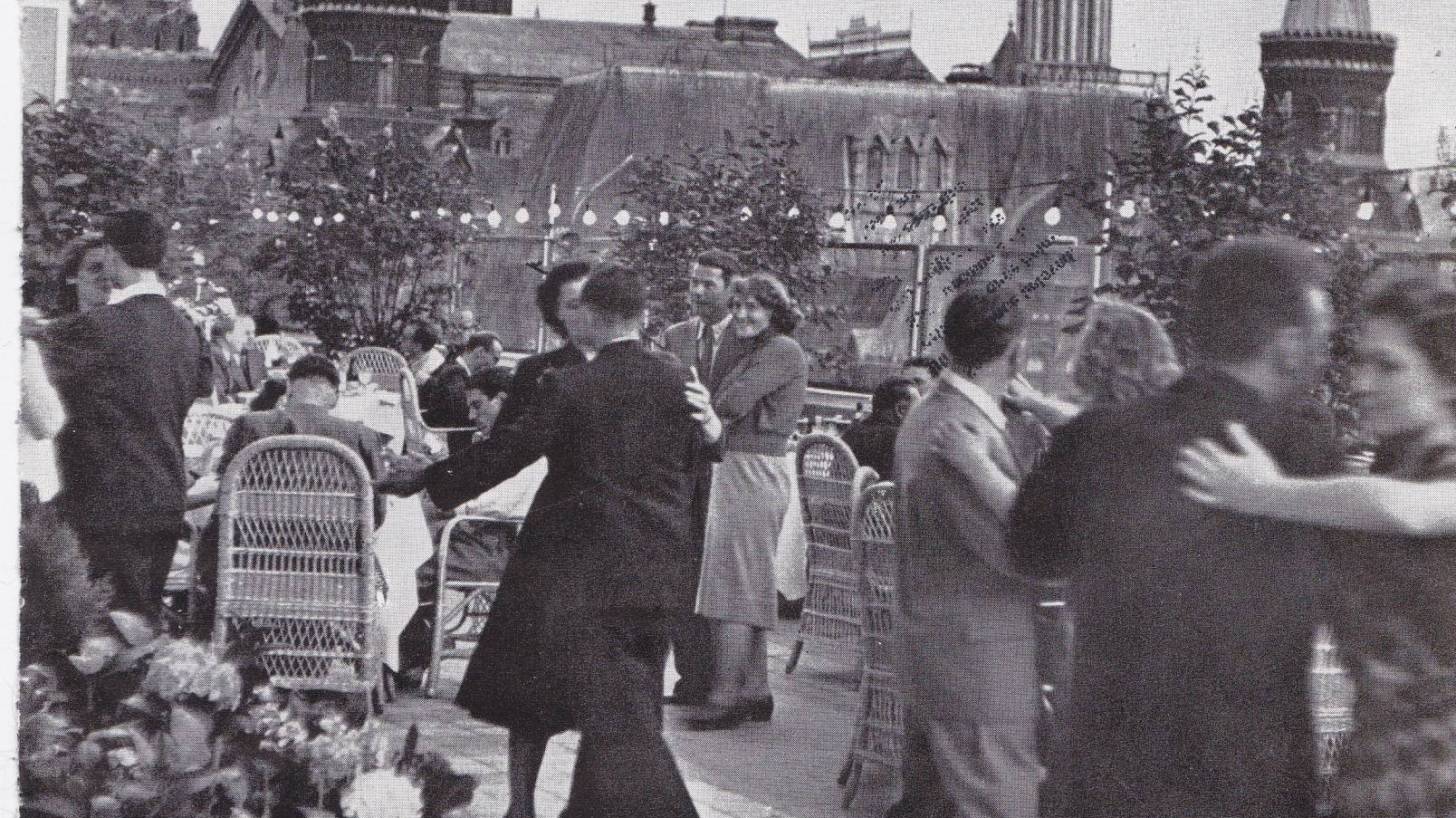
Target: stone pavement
785 769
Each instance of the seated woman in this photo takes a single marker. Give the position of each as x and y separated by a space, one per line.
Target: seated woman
1394 610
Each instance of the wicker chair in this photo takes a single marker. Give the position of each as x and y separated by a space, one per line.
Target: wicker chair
1333 699
879 729
470 600
829 481
296 567
385 366
202 435
279 349
418 436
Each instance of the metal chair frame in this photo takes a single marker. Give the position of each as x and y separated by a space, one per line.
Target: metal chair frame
879 729
418 435
830 480
463 620
295 554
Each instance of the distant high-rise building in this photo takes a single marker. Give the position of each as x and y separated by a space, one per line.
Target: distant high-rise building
1327 69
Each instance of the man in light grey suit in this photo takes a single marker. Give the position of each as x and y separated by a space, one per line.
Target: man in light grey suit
965 619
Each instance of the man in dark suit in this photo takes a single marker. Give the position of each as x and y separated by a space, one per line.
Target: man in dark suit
443 399
704 342
558 299
1193 626
602 562
237 365
873 439
127 373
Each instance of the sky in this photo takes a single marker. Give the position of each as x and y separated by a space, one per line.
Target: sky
1151 35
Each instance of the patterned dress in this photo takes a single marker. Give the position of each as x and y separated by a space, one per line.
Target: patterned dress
1396 625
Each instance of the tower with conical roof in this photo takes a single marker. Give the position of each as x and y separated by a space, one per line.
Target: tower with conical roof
1327 69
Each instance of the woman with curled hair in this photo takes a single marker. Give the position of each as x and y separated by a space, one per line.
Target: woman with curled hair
758 401
1122 354
1395 571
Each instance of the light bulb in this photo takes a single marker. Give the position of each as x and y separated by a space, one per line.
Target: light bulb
553 212
622 218
466 217
664 218
793 212
318 221
293 217
939 223
338 218
998 216
1286 217
1366 211
441 212
198 258
257 213
890 223
415 214
176 225
1128 209
493 218
212 221
836 220
1053 216
272 216
745 214
589 218
522 214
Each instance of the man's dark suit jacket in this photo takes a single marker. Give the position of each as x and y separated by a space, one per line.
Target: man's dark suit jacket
610 523
1193 626
127 374
246 373
684 339
873 442
443 403
307 420
527 381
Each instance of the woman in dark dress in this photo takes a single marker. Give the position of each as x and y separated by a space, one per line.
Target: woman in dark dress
509 679
1395 574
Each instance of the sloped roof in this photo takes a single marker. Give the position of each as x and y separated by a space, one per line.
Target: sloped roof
996 135
530 47
1326 15
898 64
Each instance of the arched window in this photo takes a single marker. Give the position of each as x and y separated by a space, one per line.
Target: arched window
875 165
907 176
331 70
182 42
388 77
503 142
113 39
851 163
258 40
157 40
940 177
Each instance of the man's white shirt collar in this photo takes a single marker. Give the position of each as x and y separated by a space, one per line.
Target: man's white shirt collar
980 397
147 286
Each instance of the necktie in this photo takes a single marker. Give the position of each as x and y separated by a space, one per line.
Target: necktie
706 350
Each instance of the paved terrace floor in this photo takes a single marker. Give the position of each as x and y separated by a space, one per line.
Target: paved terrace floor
785 769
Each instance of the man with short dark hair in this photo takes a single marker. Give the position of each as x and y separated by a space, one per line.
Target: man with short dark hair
443 399
873 439
703 342
237 365
964 618
577 636
1193 626
127 373
922 369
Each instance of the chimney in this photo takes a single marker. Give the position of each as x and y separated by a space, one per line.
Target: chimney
649 15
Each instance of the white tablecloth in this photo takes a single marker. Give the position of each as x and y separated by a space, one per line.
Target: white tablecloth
793 548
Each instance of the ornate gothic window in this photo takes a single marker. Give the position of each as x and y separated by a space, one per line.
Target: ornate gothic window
503 142
851 163
388 77
940 176
875 165
907 176
331 71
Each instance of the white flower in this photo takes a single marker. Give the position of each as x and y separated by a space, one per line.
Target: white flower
382 794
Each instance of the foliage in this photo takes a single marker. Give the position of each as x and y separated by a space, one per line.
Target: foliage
1191 180
370 225
86 156
746 196
61 602
139 725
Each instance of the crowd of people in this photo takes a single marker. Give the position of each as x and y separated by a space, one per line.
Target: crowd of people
1198 523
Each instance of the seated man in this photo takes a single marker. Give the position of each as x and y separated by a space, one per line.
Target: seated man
313 391
420 346
469 560
443 402
922 369
237 364
873 439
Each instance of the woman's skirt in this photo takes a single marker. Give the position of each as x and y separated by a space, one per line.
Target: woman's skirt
746 509
517 675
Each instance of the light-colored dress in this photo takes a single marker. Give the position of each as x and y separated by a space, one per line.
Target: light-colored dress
41 418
